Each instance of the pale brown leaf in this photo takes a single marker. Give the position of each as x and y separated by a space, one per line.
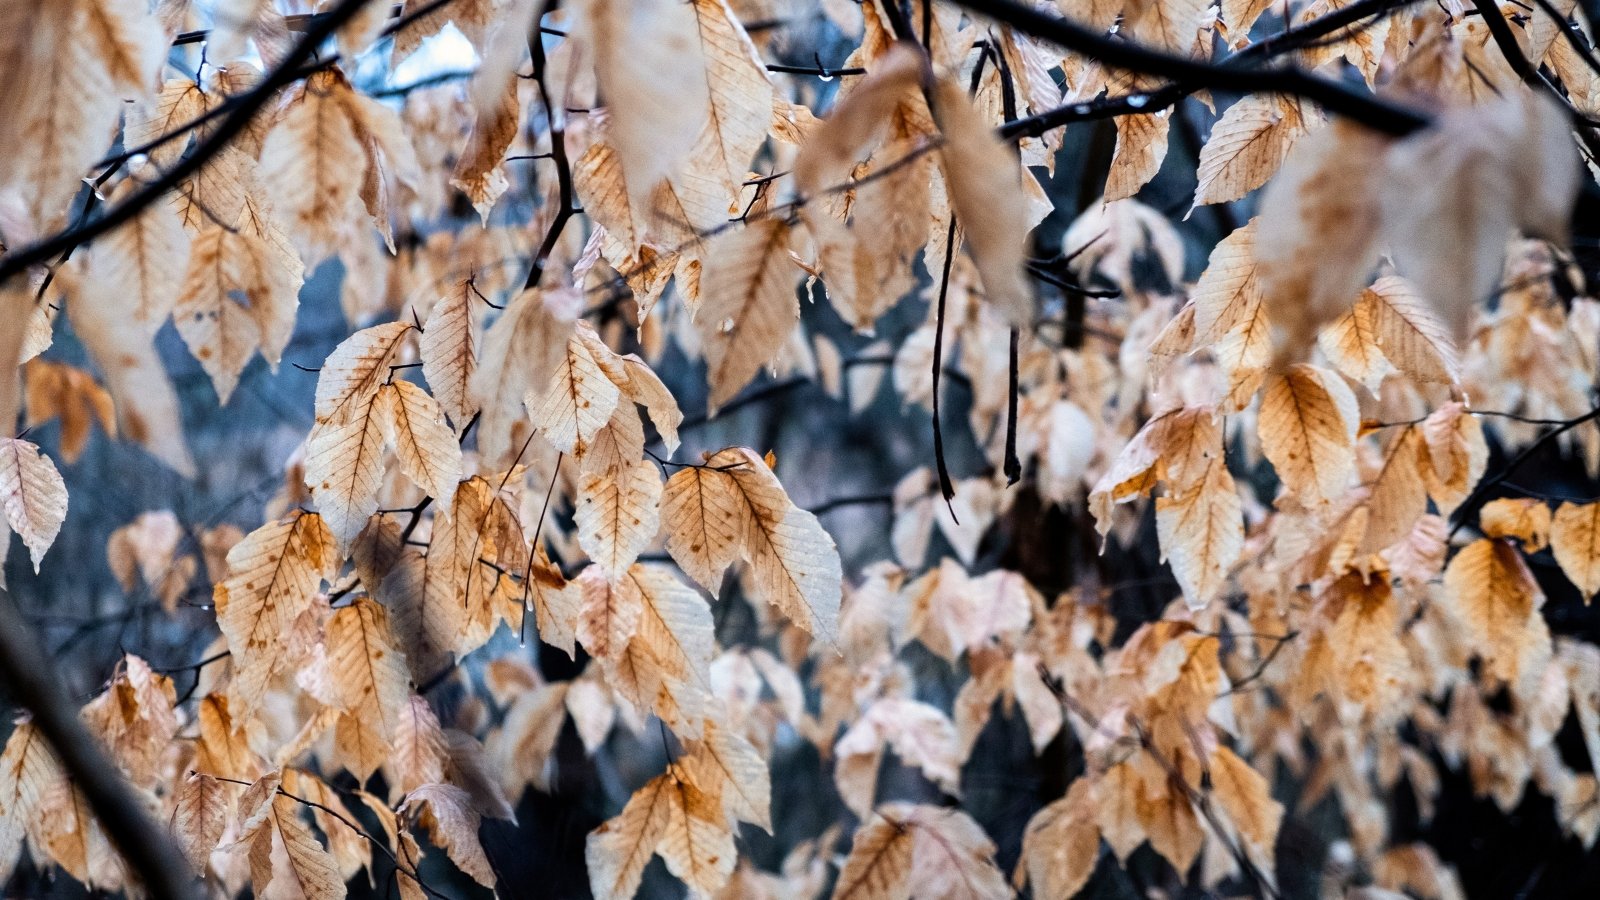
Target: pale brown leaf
453 826
986 189
199 814
617 852
1308 428
1246 146
426 447
701 512
579 400
1244 794
748 306
1062 843
371 682
879 864
479 171
1317 241
1410 335
344 468
1141 147
520 354
1455 190
618 516
650 68
306 164
1497 601
1575 540
1201 530
147 406
273 575
449 352
27 770
353 372
33 495
793 560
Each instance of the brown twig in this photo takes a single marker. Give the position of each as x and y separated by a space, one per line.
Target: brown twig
30 677
409 872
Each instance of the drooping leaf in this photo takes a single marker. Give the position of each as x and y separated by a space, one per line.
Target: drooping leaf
1062 843
453 826
617 852
1201 530
427 449
1246 147
353 372
1575 540
33 495
730 767
143 260
578 402
371 682
1410 335
649 65
879 864
27 770
700 510
1141 147
306 165
479 172
1246 796
520 354
147 406
1451 243
793 560
449 352
272 576
748 306
990 202
1497 601
617 517
344 467
200 813
1308 428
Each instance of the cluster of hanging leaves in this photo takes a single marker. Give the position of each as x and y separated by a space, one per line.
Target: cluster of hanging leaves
482 456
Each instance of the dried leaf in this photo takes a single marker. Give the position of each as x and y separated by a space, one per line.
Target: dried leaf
273 574
449 352
427 449
1246 147
700 510
1308 428
618 516
33 495
454 826
1575 540
793 560
200 813
748 306
986 189
371 684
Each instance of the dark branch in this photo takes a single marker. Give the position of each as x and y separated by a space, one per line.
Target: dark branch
249 104
1240 72
1475 500
34 684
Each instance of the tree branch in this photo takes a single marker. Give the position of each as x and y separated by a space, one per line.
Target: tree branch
558 155
1500 30
1189 75
1469 507
34 684
249 104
